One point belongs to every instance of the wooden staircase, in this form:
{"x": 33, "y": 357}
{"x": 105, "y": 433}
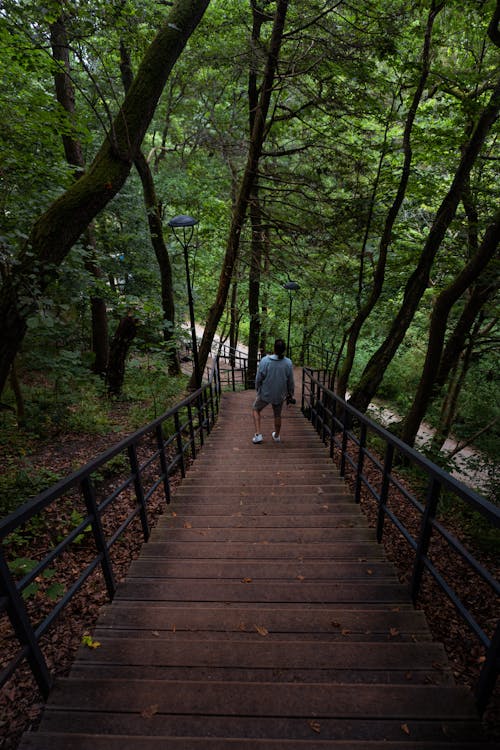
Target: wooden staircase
{"x": 262, "y": 614}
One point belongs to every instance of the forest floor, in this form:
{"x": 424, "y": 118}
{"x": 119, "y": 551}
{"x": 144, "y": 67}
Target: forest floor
{"x": 21, "y": 703}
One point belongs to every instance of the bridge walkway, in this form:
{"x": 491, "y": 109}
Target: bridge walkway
{"x": 261, "y": 614}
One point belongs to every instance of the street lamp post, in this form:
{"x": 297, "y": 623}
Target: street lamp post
{"x": 187, "y": 224}
{"x": 290, "y": 286}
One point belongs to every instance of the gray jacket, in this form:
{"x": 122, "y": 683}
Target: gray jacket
{"x": 274, "y": 379}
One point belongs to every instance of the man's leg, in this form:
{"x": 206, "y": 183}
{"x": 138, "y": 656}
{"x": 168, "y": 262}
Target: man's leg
{"x": 277, "y": 424}
{"x": 277, "y": 420}
{"x": 256, "y": 410}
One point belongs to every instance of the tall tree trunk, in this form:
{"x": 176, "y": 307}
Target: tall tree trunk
{"x": 258, "y": 19}
{"x": 56, "y": 231}
{"x": 457, "y": 340}
{"x": 74, "y": 155}
{"x": 374, "y": 371}
{"x": 233, "y": 321}
{"x": 437, "y": 329}
{"x": 120, "y": 344}
{"x": 385, "y": 241}
{"x": 239, "y": 212}
{"x": 153, "y": 212}
{"x": 254, "y": 286}
{"x": 449, "y": 405}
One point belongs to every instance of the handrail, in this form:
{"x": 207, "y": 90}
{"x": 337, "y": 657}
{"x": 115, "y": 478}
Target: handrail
{"x": 153, "y": 453}
{"x": 348, "y": 432}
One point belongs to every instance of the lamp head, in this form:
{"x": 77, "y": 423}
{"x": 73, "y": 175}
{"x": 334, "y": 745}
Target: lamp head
{"x": 182, "y": 221}
{"x": 291, "y": 286}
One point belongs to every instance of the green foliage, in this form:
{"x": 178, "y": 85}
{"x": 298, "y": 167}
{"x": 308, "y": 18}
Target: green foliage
{"x": 23, "y": 565}
{"x": 20, "y": 482}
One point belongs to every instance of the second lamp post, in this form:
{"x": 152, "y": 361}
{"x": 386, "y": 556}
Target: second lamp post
{"x": 290, "y": 286}
{"x": 187, "y": 225}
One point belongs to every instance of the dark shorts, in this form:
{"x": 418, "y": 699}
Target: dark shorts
{"x": 259, "y": 404}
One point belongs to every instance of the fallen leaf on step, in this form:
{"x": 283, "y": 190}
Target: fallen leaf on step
{"x": 247, "y": 580}
{"x": 261, "y": 630}
{"x": 393, "y": 632}
{"x": 405, "y": 728}
{"x": 155, "y": 633}
{"x": 242, "y": 626}
{"x": 300, "y": 578}
{"x": 335, "y": 624}
{"x": 150, "y": 711}
{"x": 345, "y": 631}
{"x": 188, "y": 525}
{"x": 315, "y": 725}
{"x": 369, "y": 571}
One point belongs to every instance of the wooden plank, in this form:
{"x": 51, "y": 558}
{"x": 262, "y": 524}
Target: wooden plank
{"x": 341, "y": 550}
{"x": 338, "y": 623}
{"x": 143, "y": 589}
{"x": 268, "y": 654}
{"x": 107, "y": 742}
{"x": 271, "y": 728}
{"x": 400, "y": 702}
{"x": 268, "y": 534}
{"x": 147, "y": 567}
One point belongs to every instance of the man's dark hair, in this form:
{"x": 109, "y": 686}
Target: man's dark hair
{"x": 280, "y": 348}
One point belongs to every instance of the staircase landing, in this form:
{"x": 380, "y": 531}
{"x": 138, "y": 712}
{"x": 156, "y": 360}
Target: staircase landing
{"x": 262, "y": 614}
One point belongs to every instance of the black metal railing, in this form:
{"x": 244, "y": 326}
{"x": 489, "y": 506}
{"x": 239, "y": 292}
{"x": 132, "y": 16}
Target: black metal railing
{"x": 356, "y": 443}
{"x": 233, "y": 366}
{"x": 83, "y": 517}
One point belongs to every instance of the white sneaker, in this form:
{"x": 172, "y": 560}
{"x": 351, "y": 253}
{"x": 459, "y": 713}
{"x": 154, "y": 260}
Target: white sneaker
{"x": 257, "y": 438}
{"x": 276, "y": 438}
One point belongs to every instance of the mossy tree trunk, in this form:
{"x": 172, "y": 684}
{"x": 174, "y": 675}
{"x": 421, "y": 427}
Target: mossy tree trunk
{"x": 153, "y": 211}
{"x": 74, "y": 155}
{"x": 56, "y": 231}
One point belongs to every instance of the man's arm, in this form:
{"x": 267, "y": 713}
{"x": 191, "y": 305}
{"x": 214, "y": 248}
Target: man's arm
{"x": 261, "y": 374}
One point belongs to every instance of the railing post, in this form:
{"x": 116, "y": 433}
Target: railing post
{"x": 199, "y": 406}
{"x": 212, "y": 410}
{"x": 98, "y": 532}
{"x": 163, "y": 462}
{"x": 345, "y": 425}
{"x": 192, "y": 436}
{"x": 18, "y": 616}
{"x": 333, "y": 417}
{"x": 489, "y": 672}
{"x": 429, "y": 514}
{"x": 359, "y": 469}
{"x": 139, "y": 492}
{"x": 384, "y": 490}
{"x": 178, "y": 439}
